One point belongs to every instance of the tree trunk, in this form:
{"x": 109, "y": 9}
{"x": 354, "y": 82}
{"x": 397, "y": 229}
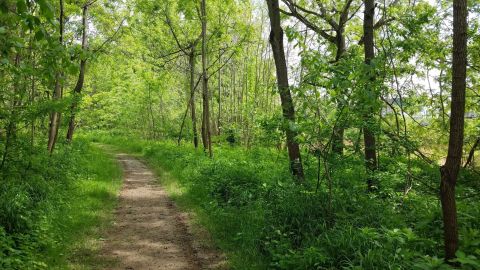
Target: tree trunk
{"x": 276, "y": 41}
{"x": 449, "y": 171}
{"x": 57, "y": 94}
{"x": 471, "y": 153}
{"x": 153, "y": 134}
{"x": 368, "y": 134}
{"x": 339, "y": 129}
{"x": 191, "y": 63}
{"x": 32, "y": 94}
{"x": 12, "y": 122}
{"x": 32, "y": 100}
{"x": 219, "y": 114}
{"x": 338, "y": 135}
{"x": 81, "y": 77}
{"x": 206, "y": 132}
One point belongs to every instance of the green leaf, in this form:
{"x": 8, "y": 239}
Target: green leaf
{"x": 46, "y": 9}
{"x": 39, "y": 35}
{"x": 21, "y": 6}
{"x": 18, "y": 44}
{"x": 3, "y": 7}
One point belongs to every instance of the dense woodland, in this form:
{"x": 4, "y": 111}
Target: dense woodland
{"x": 306, "y": 134}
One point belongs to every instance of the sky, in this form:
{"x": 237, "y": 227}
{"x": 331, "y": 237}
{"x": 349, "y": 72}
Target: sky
{"x": 293, "y": 58}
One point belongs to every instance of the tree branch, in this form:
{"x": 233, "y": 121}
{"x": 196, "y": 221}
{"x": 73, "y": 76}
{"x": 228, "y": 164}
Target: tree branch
{"x": 293, "y": 12}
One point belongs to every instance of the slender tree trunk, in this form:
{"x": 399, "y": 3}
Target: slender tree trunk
{"x": 368, "y": 134}
{"x": 189, "y": 105}
{"x": 449, "y": 171}
{"x": 206, "y": 130}
{"x": 440, "y": 94}
{"x": 231, "y": 95}
{"x": 12, "y": 122}
{"x": 191, "y": 63}
{"x": 339, "y": 129}
{"x": 32, "y": 93}
{"x": 472, "y": 153}
{"x": 163, "y": 121}
{"x": 152, "y": 116}
{"x": 219, "y": 113}
{"x": 32, "y": 100}
{"x": 234, "y": 96}
{"x": 213, "y": 126}
{"x": 8, "y": 141}
{"x": 81, "y": 77}
{"x": 57, "y": 94}
{"x": 240, "y": 84}
{"x": 276, "y": 41}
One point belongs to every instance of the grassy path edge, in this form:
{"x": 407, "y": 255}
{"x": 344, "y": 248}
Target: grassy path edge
{"x": 203, "y": 243}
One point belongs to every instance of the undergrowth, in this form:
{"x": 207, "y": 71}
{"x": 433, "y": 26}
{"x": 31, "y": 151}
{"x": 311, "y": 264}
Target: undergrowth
{"x": 248, "y": 202}
{"x": 52, "y": 208}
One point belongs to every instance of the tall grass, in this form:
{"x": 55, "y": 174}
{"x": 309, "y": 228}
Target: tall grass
{"x": 53, "y": 209}
{"x": 248, "y": 202}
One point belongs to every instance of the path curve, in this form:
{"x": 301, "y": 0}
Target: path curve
{"x": 148, "y": 232}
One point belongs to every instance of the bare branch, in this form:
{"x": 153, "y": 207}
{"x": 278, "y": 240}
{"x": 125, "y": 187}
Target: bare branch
{"x": 170, "y": 26}
{"x": 344, "y": 14}
{"x": 293, "y": 12}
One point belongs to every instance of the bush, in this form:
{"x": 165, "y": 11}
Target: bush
{"x": 44, "y": 197}
{"x": 248, "y": 201}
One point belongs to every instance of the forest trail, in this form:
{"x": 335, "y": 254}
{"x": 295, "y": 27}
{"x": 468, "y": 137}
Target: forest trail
{"x": 148, "y": 231}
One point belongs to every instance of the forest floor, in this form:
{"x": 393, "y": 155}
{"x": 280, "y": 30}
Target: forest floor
{"x": 149, "y": 231}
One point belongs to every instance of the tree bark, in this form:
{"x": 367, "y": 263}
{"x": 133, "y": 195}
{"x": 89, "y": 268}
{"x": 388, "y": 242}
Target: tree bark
{"x": 81, "y": 77}
{"x": 276, "y": 41}
{"x": 191, "y": 63}
{"x": 339, "y": 130}
{"x": 206, "y": 129}
{"x": 57, "y": 94}
{"x": 449, "y": 171}
{"x": 368, "y": 134}
{"x": 471, "y": 153}
{"x": 219, "y": 113}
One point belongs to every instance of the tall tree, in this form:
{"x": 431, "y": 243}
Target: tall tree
{"x": 288, "y": 109}
{"x": 368, "y": 134}
{"x": 57, "y": 93}
{"x": 206, "y": 129}
{"x": 191, "y": 65}
{"x": 188, "y": 49}
{"x": 337, "y": 20}
{"x": 449, "y": 171}
{"x": 81, "y": 75}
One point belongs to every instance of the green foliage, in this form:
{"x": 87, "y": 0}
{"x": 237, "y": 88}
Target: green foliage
{"x": 262, "y": 220}
{"x": 50, "y": 205}
{"x": 137, "y": 85}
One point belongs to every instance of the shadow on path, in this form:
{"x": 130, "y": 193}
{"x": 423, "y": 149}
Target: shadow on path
{"x": 148, "y": 232}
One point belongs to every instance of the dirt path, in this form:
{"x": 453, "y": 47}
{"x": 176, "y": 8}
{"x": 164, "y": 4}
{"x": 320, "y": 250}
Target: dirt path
{"x": 148, "y": 232}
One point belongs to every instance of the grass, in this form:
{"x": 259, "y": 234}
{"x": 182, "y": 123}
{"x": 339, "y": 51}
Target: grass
{"x": 178, "y": 187}
{"x": 87, "y": 213}
{"x": 179, "y": 193}
{"x": 56, "y": 208}
{"x": 261, "y": 220}
{"x": 235, "y": 230}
